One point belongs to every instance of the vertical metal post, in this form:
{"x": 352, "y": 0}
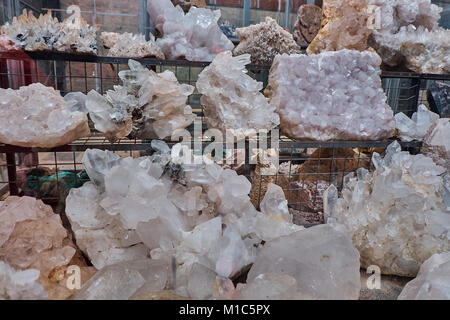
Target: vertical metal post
{"x": 286, "y": 14}
{"x": 143, "y": 18}
{"x": 246, "y": 13}
{"x": 12, "y": 174}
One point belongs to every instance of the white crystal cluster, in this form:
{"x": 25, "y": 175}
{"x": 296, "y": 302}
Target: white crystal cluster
{"x": 147, "y": 105}
{"x": 409, "y": 33}
{"x": 131, "y": 45}
{"x": 20, "y": 285}
{"x": 330, "y": 96}
{"x": 37, "y": 116}
{"x": 436, "y": 143}
{"x": 199, "y": 215}
{"x": 432, "y": 281}
{"x": 195, "y": 36}
{"x": 47, "y": 33}
{"x": 396, "y": 215}
{"x": 232, "y": 100}
{"x": 416, "y": 127}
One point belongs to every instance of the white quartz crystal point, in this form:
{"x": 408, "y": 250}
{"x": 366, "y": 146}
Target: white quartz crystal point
{"x": 330, "y": 96}
{"x": 131, "y": 45}
{"x": 20, "y": 285}
{"x": 76, "y": 101}
{"x": 121, "y": 281}
{"x": 194, "y": 36}
{"x": 147, "y": 105}
{"x": 432, "y": 281}
{"x": 240, "y": 108}
{"x": 416, "y": 127}
{"x": 323, "y": 261}
{"x": 275, "y": 203}
{"x": 436, "y": 143}
{"x": 37, "y": 116}
{"x": 97, "y": 164}
{"x": 396, "y": 215}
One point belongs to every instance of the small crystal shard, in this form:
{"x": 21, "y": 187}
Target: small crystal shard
{"x": 264, "y": 41}
{"x": 194, "y": 36}
{"x": 148, "y": 105}
{"x": 240, "y": 108}
{"x": 396, "y": 215}
{"x": 432, "y": 281}
{"x": 323, "y": 261}
{"x": 131, "y": 45}
{"x": 37, "y": 116}
{"x": 340, "y": 93}
{"x": 416, "y": 127}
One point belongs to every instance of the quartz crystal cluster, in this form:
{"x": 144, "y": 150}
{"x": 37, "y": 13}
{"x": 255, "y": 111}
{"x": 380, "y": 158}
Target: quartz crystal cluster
{"x": 20, "y": 285}
{"x": 344, "y": 26}
{"x": 409, "y": 33}
{"x": 330, "y": 96}
{"x": 232, "y": 100}
{"x": 37, "y": 116}
{"x": 264, "y": 41}
{"x": 47, "y": 33}
{"x": 416, "y": 127}
{"x": 436, "y": 143}
{"x": 131, "y": 45}
{"x": 147, "y": 105}
{"x": 198, "y": 217}
{"x": 432, "y": 281}
{"x": 396, "y": 215}
{"x": 195, "y": 36}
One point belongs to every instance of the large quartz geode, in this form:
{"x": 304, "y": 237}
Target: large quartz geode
{"x": 47, "y": 33}
{"x": 37, "y": 116}
{"x": 194, "y": 36}
{"x": 330, "y": 96}
{"x": 232, "y": 100}
{"x": 396, "y": 215}
{"x": 264, "y": 41}
{"x": 131, "y": 45}
{"x": 147, "y": 105}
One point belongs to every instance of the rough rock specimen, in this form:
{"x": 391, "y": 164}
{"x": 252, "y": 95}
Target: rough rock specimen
{"x": 416, "y": 127}
{"x": 330, "y": 96}
{"x": 264, "y": 41}
{"x": 37, "y": 116}
{"x": 197, "y": 214}
{"x": 396, "y": 215}
{"x": 20, "y": 285}
{"x": 121, "y": 281}
{"x": 6, "y": 44}
{"x": 438, "y": 97}
{"x": 307, "y": 25}
{"x": 194, "y": 36}
{"x": 344, "y": 26}
{"x": 147, "y": 105}
{"x": 322, "y": 260}
{"x": 131, "y": 45}
{"x": 409, "y": 34}
{"x": 232, "y": 100}
{"x": 432, "y": 281}
{"x": 436, "y": 143}
{"x": 47, "y": 33}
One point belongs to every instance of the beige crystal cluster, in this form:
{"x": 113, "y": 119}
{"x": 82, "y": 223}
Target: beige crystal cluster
{"x": 334, "y": 95}
{"x": 432, "y": 281}
{"x": 147, "y": 105}
{"x": 397, "y": 215}
{"x": 232, "y": 100}
{"x": 131, "y": 45}
{"x": 37, "y": 116}
{"x": 47, "y": 33}
{"x": 344, "y": 26}
{"x": 264, "y": 41}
